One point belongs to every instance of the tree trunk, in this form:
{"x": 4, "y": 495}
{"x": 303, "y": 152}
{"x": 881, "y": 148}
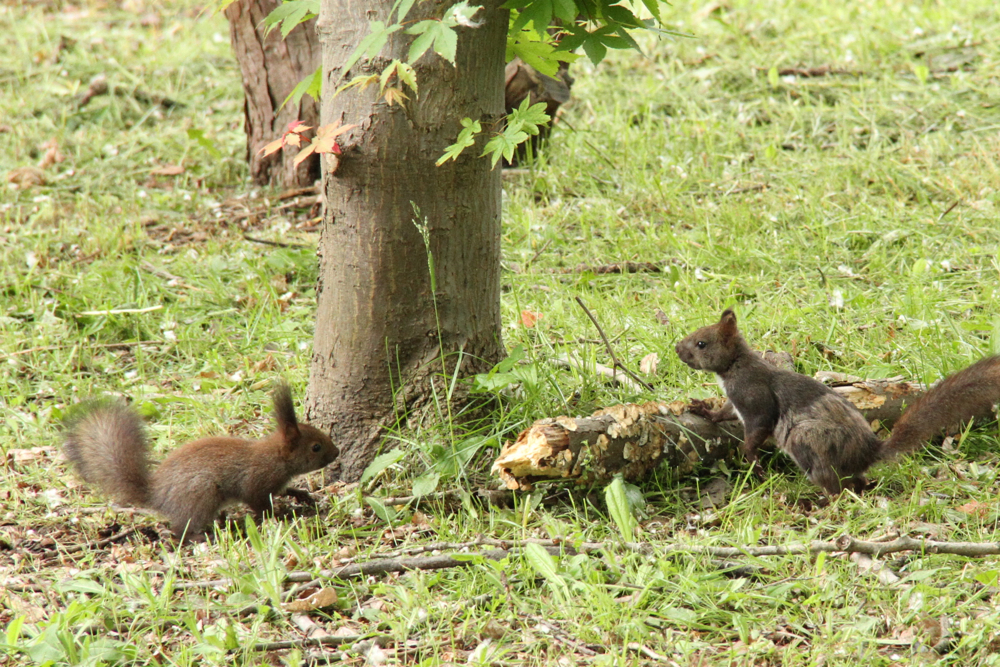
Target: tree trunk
{"x": 380, "y": 330}
{"x": 271, "y": 67}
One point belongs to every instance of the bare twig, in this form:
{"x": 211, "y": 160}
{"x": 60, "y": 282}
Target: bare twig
{"x": 597, "y": 151}
{"x": 567, "y": 361}
{"x": 298, "y": 192}
{"x": 99, "y": 86}
{"x": 24, "y": 588}
{"x": 558, "y": 546}
{"x": 446, "y": 546}
{"x": 361, "y": 648}
{"x": 746, "y": 188}
{"x": 150, "y": 98}
{"x": 545, "y": 246}
{"x": 47, "y": 288}
{"x": 843, "y": 544}
{"x": 295, "y": 204}
{"x": 611, "y": 350}
{"x": 119, "y": 311}
{"x": 948, "y": 210}
{"x": 166, "y": 275}
{"x": 494, "y": 497}
{"x": 279, "y": 244}
{"x": 89, "y": 545}
{"x": 210, "y": 583}
{"x": 384, "y": 566}
{"x": 811, "y": 72}
{"x": 387, "y": 565}
{"x": 50, "y": 348}
{"x": 617, "y": 268}
{"x": 327, "y": 640}
{"x": 636, "y": 647}
{"x": 561, "y": 635}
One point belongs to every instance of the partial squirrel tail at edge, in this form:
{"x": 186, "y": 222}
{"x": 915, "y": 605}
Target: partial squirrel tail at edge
{"x": 959, "y": 397}
{"x": 106, "y": 442}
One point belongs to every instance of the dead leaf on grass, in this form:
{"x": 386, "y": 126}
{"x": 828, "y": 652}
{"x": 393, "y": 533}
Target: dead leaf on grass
{"x": 482, "y": 654}
{"x": 345, "y": 552}
{"x": 151, "y": 20}
{"x": 26, "y": 177}
{"x": 31, "y": 454}
{"x": 168, "y": 170}
{"x": 975, "y": 508}
{"x": 265, "y": 365}
{"x": 376, "y": 656}
{"x": 52, "y": 154}
{"x": 529, "y": 318}
{"x": 20, "y": 607}
{"x": 866, "y": 563}
{"x": 649, "y": 363}
{"x": 321, "y": 599}
{"x": 153, "y": 184}
{"x": 493, "y": 630}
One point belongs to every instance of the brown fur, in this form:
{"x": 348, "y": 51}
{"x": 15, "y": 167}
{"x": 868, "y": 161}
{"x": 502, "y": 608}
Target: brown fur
{"x": 826, "y": 436}
{"x": 107, "y": 444}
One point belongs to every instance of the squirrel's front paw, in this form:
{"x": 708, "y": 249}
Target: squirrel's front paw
{"x": 301, "y": 496}
{"x": 702, "y": 409}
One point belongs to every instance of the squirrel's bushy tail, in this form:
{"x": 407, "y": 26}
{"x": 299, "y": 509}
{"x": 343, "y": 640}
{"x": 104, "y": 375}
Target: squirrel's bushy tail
{"x": 968, "y": 393}
{"x": 106, "y": 442}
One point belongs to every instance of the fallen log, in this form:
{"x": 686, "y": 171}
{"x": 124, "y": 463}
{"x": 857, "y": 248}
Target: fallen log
{"x": 633, "y": 439}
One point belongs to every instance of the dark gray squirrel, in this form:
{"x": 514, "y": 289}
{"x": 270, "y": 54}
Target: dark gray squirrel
{"x": 107, "y": 443}
{"x": 826, "y": 436}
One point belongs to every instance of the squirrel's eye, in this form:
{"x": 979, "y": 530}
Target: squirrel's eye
{"x": 700, "y": 345}
{"x": 317, "y": 447}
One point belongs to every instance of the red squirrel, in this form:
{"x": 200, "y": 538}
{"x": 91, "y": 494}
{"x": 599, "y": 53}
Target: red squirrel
{"x": 107, "y": 444}
{"x": 826, "y": 436}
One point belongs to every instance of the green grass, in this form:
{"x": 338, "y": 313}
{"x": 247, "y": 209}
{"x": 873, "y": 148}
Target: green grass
{"x": 815, "y": 206}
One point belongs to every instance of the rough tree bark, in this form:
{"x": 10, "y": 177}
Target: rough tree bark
{"x": 271, "y": 67}
{"x": 378, "y": 327}
{"x": 633, "y": 440}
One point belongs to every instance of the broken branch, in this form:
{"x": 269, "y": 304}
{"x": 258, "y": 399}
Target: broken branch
{"x": 611, "y": 351}
{"x": 567, "y": 361}
{"x": 633, "y": 439}
{"x": 617, "y": 268}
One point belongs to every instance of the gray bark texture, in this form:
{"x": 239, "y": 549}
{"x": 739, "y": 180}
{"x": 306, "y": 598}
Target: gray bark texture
{"x": 378, "y": 329}
{"x": 271, "y": 67}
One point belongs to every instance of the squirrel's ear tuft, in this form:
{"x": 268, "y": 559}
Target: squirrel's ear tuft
{"x": 284, "y": 412}
{"x": 727, "y": 323}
